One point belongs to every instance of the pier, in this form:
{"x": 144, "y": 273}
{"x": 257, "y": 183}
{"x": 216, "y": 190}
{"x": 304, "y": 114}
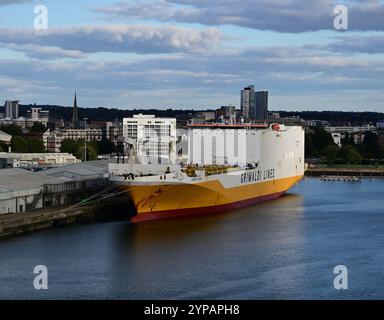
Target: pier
{"x": 345, "y": 171}
{"x": 13, "y": 224}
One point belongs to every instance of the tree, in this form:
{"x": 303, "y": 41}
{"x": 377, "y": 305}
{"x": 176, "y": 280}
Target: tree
{"x": 321, "y": 138}
{"x": 350, "y": 155}
{"x": 370, "y": 146}
{"x": 3, "y": 146}
{"x": 105, "y": 147}
{"x": 91, "y": 152}
{"x": 38, "y": 127}
{"x": 331, "y": 152}
{"x": 69, "y": 146}
{"x": 12, "y": 130}
{"x": 19, "y": 144}
{"x": 348, "y": 139}
{"x": 35, "y": 146}
{"x": 309, "y": 148}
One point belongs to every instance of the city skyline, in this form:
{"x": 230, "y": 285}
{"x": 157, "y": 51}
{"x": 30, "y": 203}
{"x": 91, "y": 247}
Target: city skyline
{"x": 188, "y": 54}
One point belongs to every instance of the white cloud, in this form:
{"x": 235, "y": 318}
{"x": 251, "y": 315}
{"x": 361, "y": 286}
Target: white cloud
{"x": 8, "y": 2}
{"x": 113, "y": 38}
{"x": 281, "y": 15}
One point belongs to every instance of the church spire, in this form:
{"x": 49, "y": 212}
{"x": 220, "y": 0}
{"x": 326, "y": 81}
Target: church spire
{"x": 75, "y": 114}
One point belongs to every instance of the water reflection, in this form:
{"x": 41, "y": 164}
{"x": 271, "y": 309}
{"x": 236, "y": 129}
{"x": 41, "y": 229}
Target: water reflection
{"x": 198, "y": 254}
{"x": 286, "y": 248}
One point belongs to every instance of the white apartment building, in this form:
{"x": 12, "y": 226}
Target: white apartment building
{"x": 153, "y": 139}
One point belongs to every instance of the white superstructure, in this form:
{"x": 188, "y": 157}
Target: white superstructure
{"x": 153, "y": 139}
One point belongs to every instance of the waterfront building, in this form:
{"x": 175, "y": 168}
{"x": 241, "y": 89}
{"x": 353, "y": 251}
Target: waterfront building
{"x": 261, "y": 105}
{"x": 52, "y": 139}
{"x": 152, "y": 139}
{"x": 247, "y": 102}
{"x": 22, "y": 190}
{"x": 38, "y": 115}
{"x": 16, "y": 160}
{"x": 11, "y": 109}
{"x": 98, "y": 131}
{"x": 350, "y": 129}
{"x": 358, "y": 137}
{"x": 226, "y": 114}
{"x": 380, "y": 124}
{"x": 35, "y": 115}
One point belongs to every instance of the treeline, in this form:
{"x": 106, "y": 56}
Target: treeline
{"x": 22, "y": 142}
{"x": 319, "y": 145}
{"x": 105, "y": 114}
{"x": 94, "y": 148}
{"x": 356, "y": 118}
{"x": 110, "y": 114}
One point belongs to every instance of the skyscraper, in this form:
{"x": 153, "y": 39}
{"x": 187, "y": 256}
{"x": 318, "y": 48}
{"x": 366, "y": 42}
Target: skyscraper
{"x": 75, "y": 114}
{"x": 11, "y": 109}
{"x": 247, "y": 103}
{"x": 261, "y": 105}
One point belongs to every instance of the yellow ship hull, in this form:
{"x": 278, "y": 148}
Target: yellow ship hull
{"x": 164, "y": 201}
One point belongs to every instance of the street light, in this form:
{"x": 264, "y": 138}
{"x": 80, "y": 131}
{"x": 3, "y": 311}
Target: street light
{"x": 85, "y": 140}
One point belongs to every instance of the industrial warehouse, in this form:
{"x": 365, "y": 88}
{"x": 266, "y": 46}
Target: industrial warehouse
{"x": 23, "y": 191}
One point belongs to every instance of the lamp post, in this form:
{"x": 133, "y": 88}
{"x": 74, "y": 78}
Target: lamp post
{"x": 85, "y": 140}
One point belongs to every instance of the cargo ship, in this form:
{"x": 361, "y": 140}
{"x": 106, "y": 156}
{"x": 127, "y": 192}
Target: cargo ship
{"x": 228, "y": 167}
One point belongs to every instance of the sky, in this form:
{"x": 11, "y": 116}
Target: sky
{"x": 193, "y": 53}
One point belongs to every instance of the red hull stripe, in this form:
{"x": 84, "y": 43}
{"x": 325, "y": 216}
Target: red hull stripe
{"x": 177, "y": 213}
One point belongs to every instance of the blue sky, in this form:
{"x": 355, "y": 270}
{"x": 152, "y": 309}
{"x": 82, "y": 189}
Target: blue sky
{"x": 193, "y": 54}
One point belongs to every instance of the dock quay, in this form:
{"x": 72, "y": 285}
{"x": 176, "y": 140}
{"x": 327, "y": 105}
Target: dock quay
{"x": 16, "y": 224}
{"x": 32, "y": 201}
{"x": 341, "y": 178}
{"x": 345, "y": 171}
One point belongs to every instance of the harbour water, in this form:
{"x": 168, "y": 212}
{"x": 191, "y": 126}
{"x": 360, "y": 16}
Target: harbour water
{"x": 283, "y": 249}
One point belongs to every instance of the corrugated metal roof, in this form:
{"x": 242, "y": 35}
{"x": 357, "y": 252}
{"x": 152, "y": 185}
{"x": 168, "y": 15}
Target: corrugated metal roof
{"x": 84, "y": 170}
{"x": 15, "y": 179}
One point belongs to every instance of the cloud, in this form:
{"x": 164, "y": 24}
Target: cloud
{"x": 8, "y": 2}
{"x": 282, "y": 15}
{"x": 141, "y": 39}
{"x": 43, "y": 52}
{"x": 367, "y": 44}
{"x": 203, "y": 81}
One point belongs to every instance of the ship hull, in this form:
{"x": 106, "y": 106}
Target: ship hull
{"x": 190, "y": 212}
{"x": 164, "y": 201}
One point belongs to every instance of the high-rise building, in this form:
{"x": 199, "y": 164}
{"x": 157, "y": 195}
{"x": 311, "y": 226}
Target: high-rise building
{"x": 11, "y": 109}
{"x": 247, "y": 103}
{"x": 153, "y": 139}
{"x": 75, "y": 114}
{"x": 261, "y": 105}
